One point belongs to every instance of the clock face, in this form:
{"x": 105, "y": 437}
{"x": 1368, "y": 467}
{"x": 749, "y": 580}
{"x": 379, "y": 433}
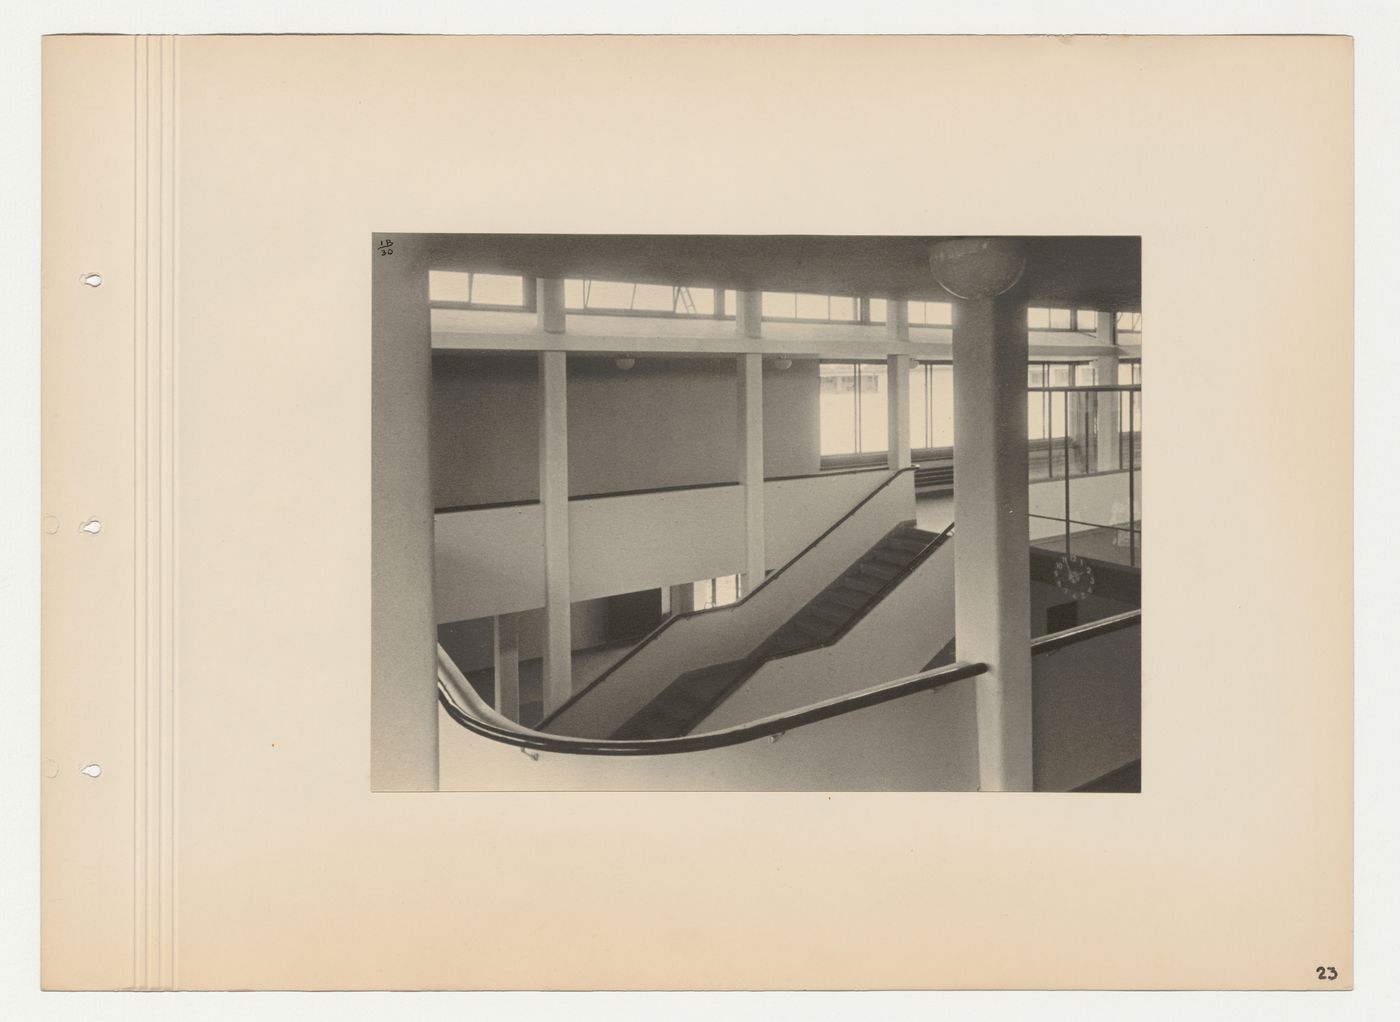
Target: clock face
{"x": 1074, "y": 576}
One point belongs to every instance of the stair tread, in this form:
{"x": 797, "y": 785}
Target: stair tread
{"x": 850, "y": 599}
{"x": 687, "y": 699}
{"x": 863, "y": 584}
{"x": 681, "y": 704}
{"x": 815, "y": 629}
{"x": 889, "y": 556}
{"x": 884, "y": 572}
{"x": 837, "y": 615}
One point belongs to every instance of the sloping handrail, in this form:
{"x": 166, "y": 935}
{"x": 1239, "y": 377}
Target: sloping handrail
{"x": 469, "y": 710}
{"x": 656, "y": 632}
{"x": 1081, "y": 633}
{"x": 889, "y": 586}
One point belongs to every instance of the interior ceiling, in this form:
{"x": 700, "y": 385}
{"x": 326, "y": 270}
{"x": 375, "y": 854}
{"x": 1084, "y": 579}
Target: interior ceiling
{"x": 1102, "y": 273}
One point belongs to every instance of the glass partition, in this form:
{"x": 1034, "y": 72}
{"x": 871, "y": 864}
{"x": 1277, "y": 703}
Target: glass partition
{"x": 1086, "y": 483}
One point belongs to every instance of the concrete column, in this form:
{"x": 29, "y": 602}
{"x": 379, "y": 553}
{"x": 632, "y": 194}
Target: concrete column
{"x": 549, "y": 305}
{"x": 992, "y": 550}
{"x": 748, "y": 313}
{"x": 505, "y": 651}
{"x": 1106, "y": 413}
{"x": 750, "y": 467}
{"x": 900, "y": 429}
{"x": 554, "y": 503}
{"x": 403, "y": 699}
{"x": 897, "y": 321}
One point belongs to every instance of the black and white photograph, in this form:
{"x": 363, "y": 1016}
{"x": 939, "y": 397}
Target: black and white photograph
{"x": 758, "y": 512}
{"x": 596, "y": 510}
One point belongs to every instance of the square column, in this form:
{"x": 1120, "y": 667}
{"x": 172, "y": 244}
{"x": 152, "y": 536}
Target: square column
{"x": 1106, "y": 415}
{"x": 897, "y": 377}
{"x": 992, "y": 550}
{"x": 505, "y": 653}
{"x": 549, "y": 305}
{"x": 554, "y": 505}
{"x": 897, "y": 321}
{"x": 750, "y": 467}
{"x": 748, "y": 313}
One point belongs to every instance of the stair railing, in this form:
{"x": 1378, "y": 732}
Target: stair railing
{"x": 728, "y": 609}
{"x": 888, "y": 587}
{"x": 462, "y": 704}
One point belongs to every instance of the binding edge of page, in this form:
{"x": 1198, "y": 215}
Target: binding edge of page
{"x": 108, "y": 500}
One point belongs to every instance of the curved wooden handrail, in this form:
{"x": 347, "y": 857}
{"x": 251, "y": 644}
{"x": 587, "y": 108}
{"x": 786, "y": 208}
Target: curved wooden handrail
{"x": 469, "y": 710}
{"x": 656, "y": 632}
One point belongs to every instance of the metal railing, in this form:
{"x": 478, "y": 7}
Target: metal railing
{"x": 462, "y": 703}
{"x": 1083, "y": 633}
{"x": 1079, "y": 449}
{"x": 468, "y": 709}
{"x": 924, "y": 553}
{"x": 723, "y": 609}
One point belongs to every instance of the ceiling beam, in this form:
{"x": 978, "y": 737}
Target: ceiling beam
{"x": 1089, "y": 272}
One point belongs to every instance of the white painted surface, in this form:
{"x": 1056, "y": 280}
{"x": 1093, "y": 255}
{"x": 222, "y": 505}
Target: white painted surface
{"x": 990, "y": 502}
{"x": 1097, "y": 500}
{"x": 898, "y": 427}
{"x": 800, "y": 510}
{"x": 505, "y": 642}
{"x": 727, "y": 633}
{"x": 489, "y": 562}
{"x": 469, "y": 329}
{"x": 749, "y": 463}
{"x": 554, "y": 505}
{"x": 897, "y": 638}
{"x": 647, "y": 540}
{"x": 1106, "y": 403}
{"x": 923, "y": 742}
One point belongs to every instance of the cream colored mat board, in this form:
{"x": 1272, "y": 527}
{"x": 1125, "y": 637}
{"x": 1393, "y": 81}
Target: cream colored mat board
{"x": 209, "y": 405}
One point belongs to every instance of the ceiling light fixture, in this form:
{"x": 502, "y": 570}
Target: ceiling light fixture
{"x": 976, "y": 268}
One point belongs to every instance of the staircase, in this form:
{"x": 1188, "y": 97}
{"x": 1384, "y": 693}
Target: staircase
{"x": 692, "y": 696}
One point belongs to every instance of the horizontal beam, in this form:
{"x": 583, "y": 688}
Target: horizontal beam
{"x": 617, "y": 335}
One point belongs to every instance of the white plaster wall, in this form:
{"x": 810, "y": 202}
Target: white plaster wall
{"x": 923, "y": 742}
{"x": 727, "y": 633}
{"x": 897, "y": 638}
{"x": 646, "y": 540}
{"x": 798, "y": 510}
{"x": 489, "y": 561}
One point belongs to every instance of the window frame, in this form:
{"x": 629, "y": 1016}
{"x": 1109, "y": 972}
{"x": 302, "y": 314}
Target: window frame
{"x": 527, "y": 294}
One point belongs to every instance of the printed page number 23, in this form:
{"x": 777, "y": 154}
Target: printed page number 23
{"x": 1326, "y": 972}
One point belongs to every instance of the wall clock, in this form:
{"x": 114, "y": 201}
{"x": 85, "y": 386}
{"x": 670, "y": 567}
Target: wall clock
{"x": 1074, "y": 576}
